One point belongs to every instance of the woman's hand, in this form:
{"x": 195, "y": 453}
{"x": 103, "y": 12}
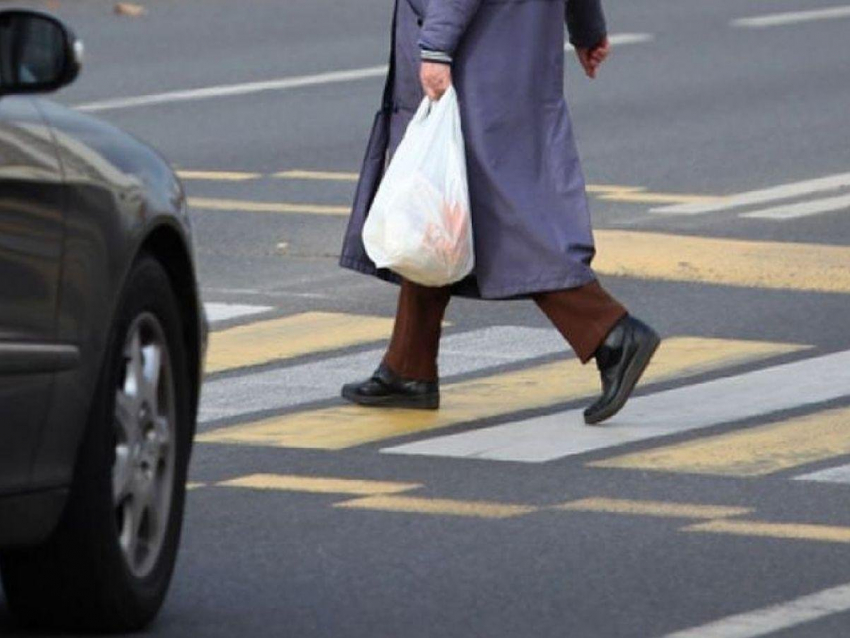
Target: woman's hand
{"x": 436, "y": 78}
{"x": 591, "y": 59}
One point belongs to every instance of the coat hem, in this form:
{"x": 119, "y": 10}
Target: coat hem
{"x": 516, "y": 291}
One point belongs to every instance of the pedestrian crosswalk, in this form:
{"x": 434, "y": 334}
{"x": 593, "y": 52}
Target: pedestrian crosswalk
{"x": 782, "y": 202}
{"x": 289, "y": 337}
{"x": 787, "y": 201}
{"x": 509, "y": 394}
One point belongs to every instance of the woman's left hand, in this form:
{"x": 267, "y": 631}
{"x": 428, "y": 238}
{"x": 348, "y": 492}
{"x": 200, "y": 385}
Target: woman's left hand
{"x": 592, "y": 58}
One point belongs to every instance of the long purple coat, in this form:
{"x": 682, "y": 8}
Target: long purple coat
{"x": 530, "y": 216}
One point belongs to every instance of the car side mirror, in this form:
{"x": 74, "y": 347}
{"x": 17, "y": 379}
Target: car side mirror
{"x": 38, "y": 53}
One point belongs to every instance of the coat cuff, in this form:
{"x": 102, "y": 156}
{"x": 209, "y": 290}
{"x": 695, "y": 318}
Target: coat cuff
{"x": 585, "y": 22}
{"x": 436, "y": 56}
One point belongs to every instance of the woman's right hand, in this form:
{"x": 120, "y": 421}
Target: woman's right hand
{"x": 436, "y": 78}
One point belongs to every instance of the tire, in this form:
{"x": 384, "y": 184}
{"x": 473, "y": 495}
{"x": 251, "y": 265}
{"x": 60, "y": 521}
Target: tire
{"x": 99, "y": 571}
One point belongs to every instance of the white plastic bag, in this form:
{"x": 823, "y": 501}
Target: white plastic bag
{"x": 419, "y": 224}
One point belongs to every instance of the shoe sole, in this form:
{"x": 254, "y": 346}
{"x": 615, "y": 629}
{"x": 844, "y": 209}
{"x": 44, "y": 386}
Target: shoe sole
{"x": 630, "y": 380}
{"x": 425, "y": 402}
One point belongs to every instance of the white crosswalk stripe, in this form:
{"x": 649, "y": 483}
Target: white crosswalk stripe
{"x": 291, "y": 386}
{"x": 725, "y": 400}
{"x": 219, "y": 312}
{"x": 760, "y": 393}
{"x": 802, "y": 209}
{"x": 840, "y": 474}
{"x": 788, "y": 194}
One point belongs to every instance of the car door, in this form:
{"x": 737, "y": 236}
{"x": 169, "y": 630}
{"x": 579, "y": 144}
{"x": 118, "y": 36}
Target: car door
{"x": 31, "y": 235}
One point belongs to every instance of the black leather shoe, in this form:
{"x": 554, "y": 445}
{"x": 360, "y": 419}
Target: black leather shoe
{"x": 621, "y": 360}
{"x": 386, "y": 389}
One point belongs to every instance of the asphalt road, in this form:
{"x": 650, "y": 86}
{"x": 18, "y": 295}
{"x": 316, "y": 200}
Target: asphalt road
{"x": 689, "y": 512}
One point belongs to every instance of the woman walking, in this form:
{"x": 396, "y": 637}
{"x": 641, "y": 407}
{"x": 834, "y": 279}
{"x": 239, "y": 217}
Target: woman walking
{"x": 530, "y": 217}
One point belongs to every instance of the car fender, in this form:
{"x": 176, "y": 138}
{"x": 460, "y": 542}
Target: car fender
{"x": 122, "y": 198}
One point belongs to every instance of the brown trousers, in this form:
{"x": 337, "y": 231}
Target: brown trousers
{"x": 584, "y": 316}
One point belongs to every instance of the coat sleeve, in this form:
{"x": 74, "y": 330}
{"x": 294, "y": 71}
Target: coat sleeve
{"x": 445, "y": 24}
{"x": 585, "y": 22}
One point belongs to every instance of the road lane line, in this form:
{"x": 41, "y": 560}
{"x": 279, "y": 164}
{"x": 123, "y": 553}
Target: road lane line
{"x": 744, "y": 263}
{"x": 318, "y": 484}
{"x": 729, "y": 262}
{"x": 332, "y": 176}
{"x": 285, "y": 387}
{"x": 775, "y": 618}
{"x": 782, "y": 531}
{"x": 803, "y": 209}
{"x": 492, "y": 396}
{"x": 792, "y": 17}
{"x": 763, "y": 196}
{"x": 661, "y": 509}
{"x": 830, "y": 475}
{"x": 637, "y": 197}
{"x": 279, "y": 84}
{"x": 437, "y": 506}
{"x": 217, "y": 176}
{"x": 622, "y": 39}
{"x": 724, "y": 400}
{"x": 218, "y": 312}
{"x": 293, "y": 336}
{"x": 227, "y": 90}
{"x": 755, "y": 451}
{"x": 235, "y": 205}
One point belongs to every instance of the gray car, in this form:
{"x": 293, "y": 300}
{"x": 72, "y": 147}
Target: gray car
{"x": 102, "y": 336}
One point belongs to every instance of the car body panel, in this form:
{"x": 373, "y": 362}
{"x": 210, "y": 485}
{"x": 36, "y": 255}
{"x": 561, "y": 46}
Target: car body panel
{"x": 119, "y": 194}
{"x": 32, "y": 200}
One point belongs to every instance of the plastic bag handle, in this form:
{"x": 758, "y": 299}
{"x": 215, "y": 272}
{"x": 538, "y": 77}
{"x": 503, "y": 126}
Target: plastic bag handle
{"x": 427, "y": 106}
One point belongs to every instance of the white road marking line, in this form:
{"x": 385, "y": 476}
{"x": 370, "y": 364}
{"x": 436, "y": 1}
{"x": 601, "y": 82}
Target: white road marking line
{"x": 774, "y": 194}
{"x": 621, "y": 39}
{"x": 331, "y": 176}
{"x": 217, "y": 176}
{"x": 803, "y": 209}
{"x": 281, "y": 84}
{"x": 321, "y": 380}
{"x": 217, "y": 312}
{"x": 725, "y": 400}
{"x": 768, "y": 620}
{"x": 830, "y": 475}
{"x": 792, "y": 17}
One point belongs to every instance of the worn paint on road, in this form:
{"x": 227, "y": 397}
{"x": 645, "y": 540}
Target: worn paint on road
{"x": 293, "y": 336}
{"x": 468, "y": 401}
{"x": 755, "y": 451}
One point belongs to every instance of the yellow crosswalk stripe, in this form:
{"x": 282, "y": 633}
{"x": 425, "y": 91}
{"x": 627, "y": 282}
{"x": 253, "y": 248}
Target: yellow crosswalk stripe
{"x": 497, "y": 395}
{"x": 662, "y": 509}
{"x": 265, "y": 341}
{"x": 754, "y": 451}
{"x": 318, "y": 484}
{"x": 218, "y": 176}
{"x": 437, "y": 506}
{"x": 332, "y": 176}
{"x": 639, "y": 195}
{"x": 729, "y": 262}
{"x": 783, "y": 531}
{"x": 236, "y": 205}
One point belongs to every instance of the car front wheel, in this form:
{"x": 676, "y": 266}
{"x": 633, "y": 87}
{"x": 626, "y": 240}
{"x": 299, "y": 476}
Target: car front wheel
{"x": 108, "y": 565}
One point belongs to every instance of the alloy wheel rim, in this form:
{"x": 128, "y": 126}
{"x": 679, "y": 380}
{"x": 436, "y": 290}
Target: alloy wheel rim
{"x": 145, "y": 454}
